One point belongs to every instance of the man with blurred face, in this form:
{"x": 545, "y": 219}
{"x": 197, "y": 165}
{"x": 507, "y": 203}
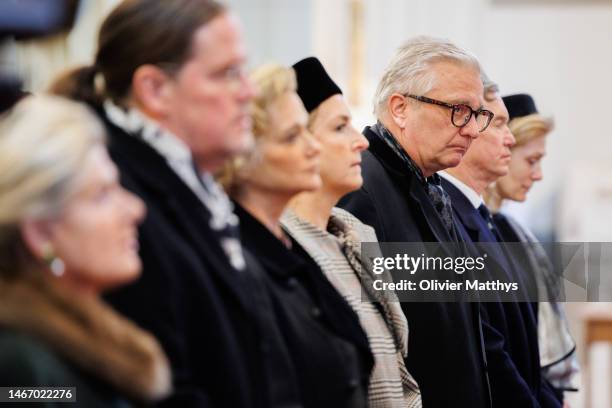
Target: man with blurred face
{"x": 429, "y": 110}
{"x": 510, "y": 328}
{"x": 168, "y": 81}
{"x": 213, "y": 86}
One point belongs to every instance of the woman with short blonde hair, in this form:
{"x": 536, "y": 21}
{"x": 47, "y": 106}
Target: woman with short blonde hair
{"x": 328, "y": 349}
{"x": 529, "y": 129}
{"x": 272, "y": 81}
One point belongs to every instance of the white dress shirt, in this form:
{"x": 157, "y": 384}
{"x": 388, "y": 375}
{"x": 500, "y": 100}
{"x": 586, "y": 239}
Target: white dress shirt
{"x": 475, "y": 198}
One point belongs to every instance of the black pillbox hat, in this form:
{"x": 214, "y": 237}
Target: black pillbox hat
{"x": 314, "y": 83}
{"x": 519, "y": 105}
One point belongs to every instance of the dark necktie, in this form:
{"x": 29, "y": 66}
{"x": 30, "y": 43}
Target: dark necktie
{"x": 486, "y": 215}
{"x": 516, "y": 272}
{"x": 442, "y": 203}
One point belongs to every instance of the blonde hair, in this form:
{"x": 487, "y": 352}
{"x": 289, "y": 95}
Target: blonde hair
{"x": 272, "y": 81}
{"x": 44, "y": 143}
{"x": 524, "y": 129}
{"x": 409, "y": 71}
{"x": 527, "y": 128}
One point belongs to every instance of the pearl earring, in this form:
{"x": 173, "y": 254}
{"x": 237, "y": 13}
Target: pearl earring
{"x": 55, "y": 264}
{"x": 57, "y": 267}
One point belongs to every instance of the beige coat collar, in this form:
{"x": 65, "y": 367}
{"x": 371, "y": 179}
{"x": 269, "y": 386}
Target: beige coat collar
{"x": 88, "y": 333}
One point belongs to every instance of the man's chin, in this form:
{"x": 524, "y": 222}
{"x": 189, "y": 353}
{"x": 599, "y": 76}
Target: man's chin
{"x": 453, "y": 160}
{"x": 501, "y": 172}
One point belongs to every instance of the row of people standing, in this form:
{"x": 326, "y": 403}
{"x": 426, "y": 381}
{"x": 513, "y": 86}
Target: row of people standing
{"x": 258, "y": 302}
{"x": 245, "y": 320}
{"x": 442, "y": 138}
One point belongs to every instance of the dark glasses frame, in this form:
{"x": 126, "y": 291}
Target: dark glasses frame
{"x": 456, "y": 108}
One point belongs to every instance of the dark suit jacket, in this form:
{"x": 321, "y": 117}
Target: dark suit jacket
{"x": 550, "y": 396}
{"x": 510, "y": 328}
{"x": 188, "y": 296}
{"x": 329, "y": 348}
{"x": 445, "y": 352}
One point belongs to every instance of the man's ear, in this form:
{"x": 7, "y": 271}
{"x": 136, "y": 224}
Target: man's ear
{"x": 398, "y": 108}
{"x": 150, "y": 90}
{"x": 37, "y": 236}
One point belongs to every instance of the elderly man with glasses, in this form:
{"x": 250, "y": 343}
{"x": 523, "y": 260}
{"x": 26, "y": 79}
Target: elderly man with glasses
{"x": 429, "y": 110}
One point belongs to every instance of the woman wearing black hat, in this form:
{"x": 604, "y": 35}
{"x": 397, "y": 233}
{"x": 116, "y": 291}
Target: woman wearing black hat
{"x": 328, "y": 348}
{"x": 332, "y": 236}
{"x": 530, "y": 129}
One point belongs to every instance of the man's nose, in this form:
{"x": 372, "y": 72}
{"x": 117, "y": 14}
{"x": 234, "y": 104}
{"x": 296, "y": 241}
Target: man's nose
{"x": 471, "y": 128}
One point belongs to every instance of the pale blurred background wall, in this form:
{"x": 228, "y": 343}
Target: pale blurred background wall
{"x": 560, "y": 51}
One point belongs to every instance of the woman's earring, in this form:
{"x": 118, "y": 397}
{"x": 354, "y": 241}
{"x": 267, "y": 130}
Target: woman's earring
{"x": 55, "y": 264}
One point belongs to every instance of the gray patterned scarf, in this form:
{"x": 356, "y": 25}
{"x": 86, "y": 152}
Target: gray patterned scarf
{"x": 439, "y": 198}
{"x": 351, "y": 248}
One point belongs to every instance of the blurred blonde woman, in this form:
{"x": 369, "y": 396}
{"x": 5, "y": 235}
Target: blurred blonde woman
{"x": 67, "y": 234}
{"x": 332, "y": 236}
{"x": 328, "y": 348}
{"x": 530, "y": 129}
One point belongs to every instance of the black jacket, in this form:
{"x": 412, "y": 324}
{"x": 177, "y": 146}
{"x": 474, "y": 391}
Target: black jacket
{"x": 510, "y": 328}
{"x": 27, "y": 362}
{"x": 189, "y": 296}
{"x": 327, "y": 344}
{"x": 549, "y": 395}
{"x": 445, "y": 352}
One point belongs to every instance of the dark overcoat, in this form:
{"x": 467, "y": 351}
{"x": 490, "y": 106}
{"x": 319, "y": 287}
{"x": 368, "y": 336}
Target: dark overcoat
{"x": 445, "y": 351}
{"x": 510, "y": 328}
{"x": 189, "y": 296}
{"x": 550, "y": 396}
{"x": 329, "y": 348}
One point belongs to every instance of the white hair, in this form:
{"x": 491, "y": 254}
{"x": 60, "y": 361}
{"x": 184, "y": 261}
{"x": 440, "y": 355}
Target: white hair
{"x": 409, "y": 70}
{"x": 491, "y": 89}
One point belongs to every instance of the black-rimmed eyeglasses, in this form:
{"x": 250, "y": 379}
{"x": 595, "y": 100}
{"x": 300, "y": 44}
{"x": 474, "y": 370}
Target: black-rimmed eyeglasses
{"x": 460, "y": 113}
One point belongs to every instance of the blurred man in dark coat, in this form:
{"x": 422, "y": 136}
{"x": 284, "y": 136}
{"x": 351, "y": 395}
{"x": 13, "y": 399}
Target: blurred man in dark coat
{"x": 176, "y": 108}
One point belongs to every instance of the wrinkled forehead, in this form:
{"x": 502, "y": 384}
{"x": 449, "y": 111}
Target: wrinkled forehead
{"x": 497, "y": 106}
{"x": 457, "y": 82}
